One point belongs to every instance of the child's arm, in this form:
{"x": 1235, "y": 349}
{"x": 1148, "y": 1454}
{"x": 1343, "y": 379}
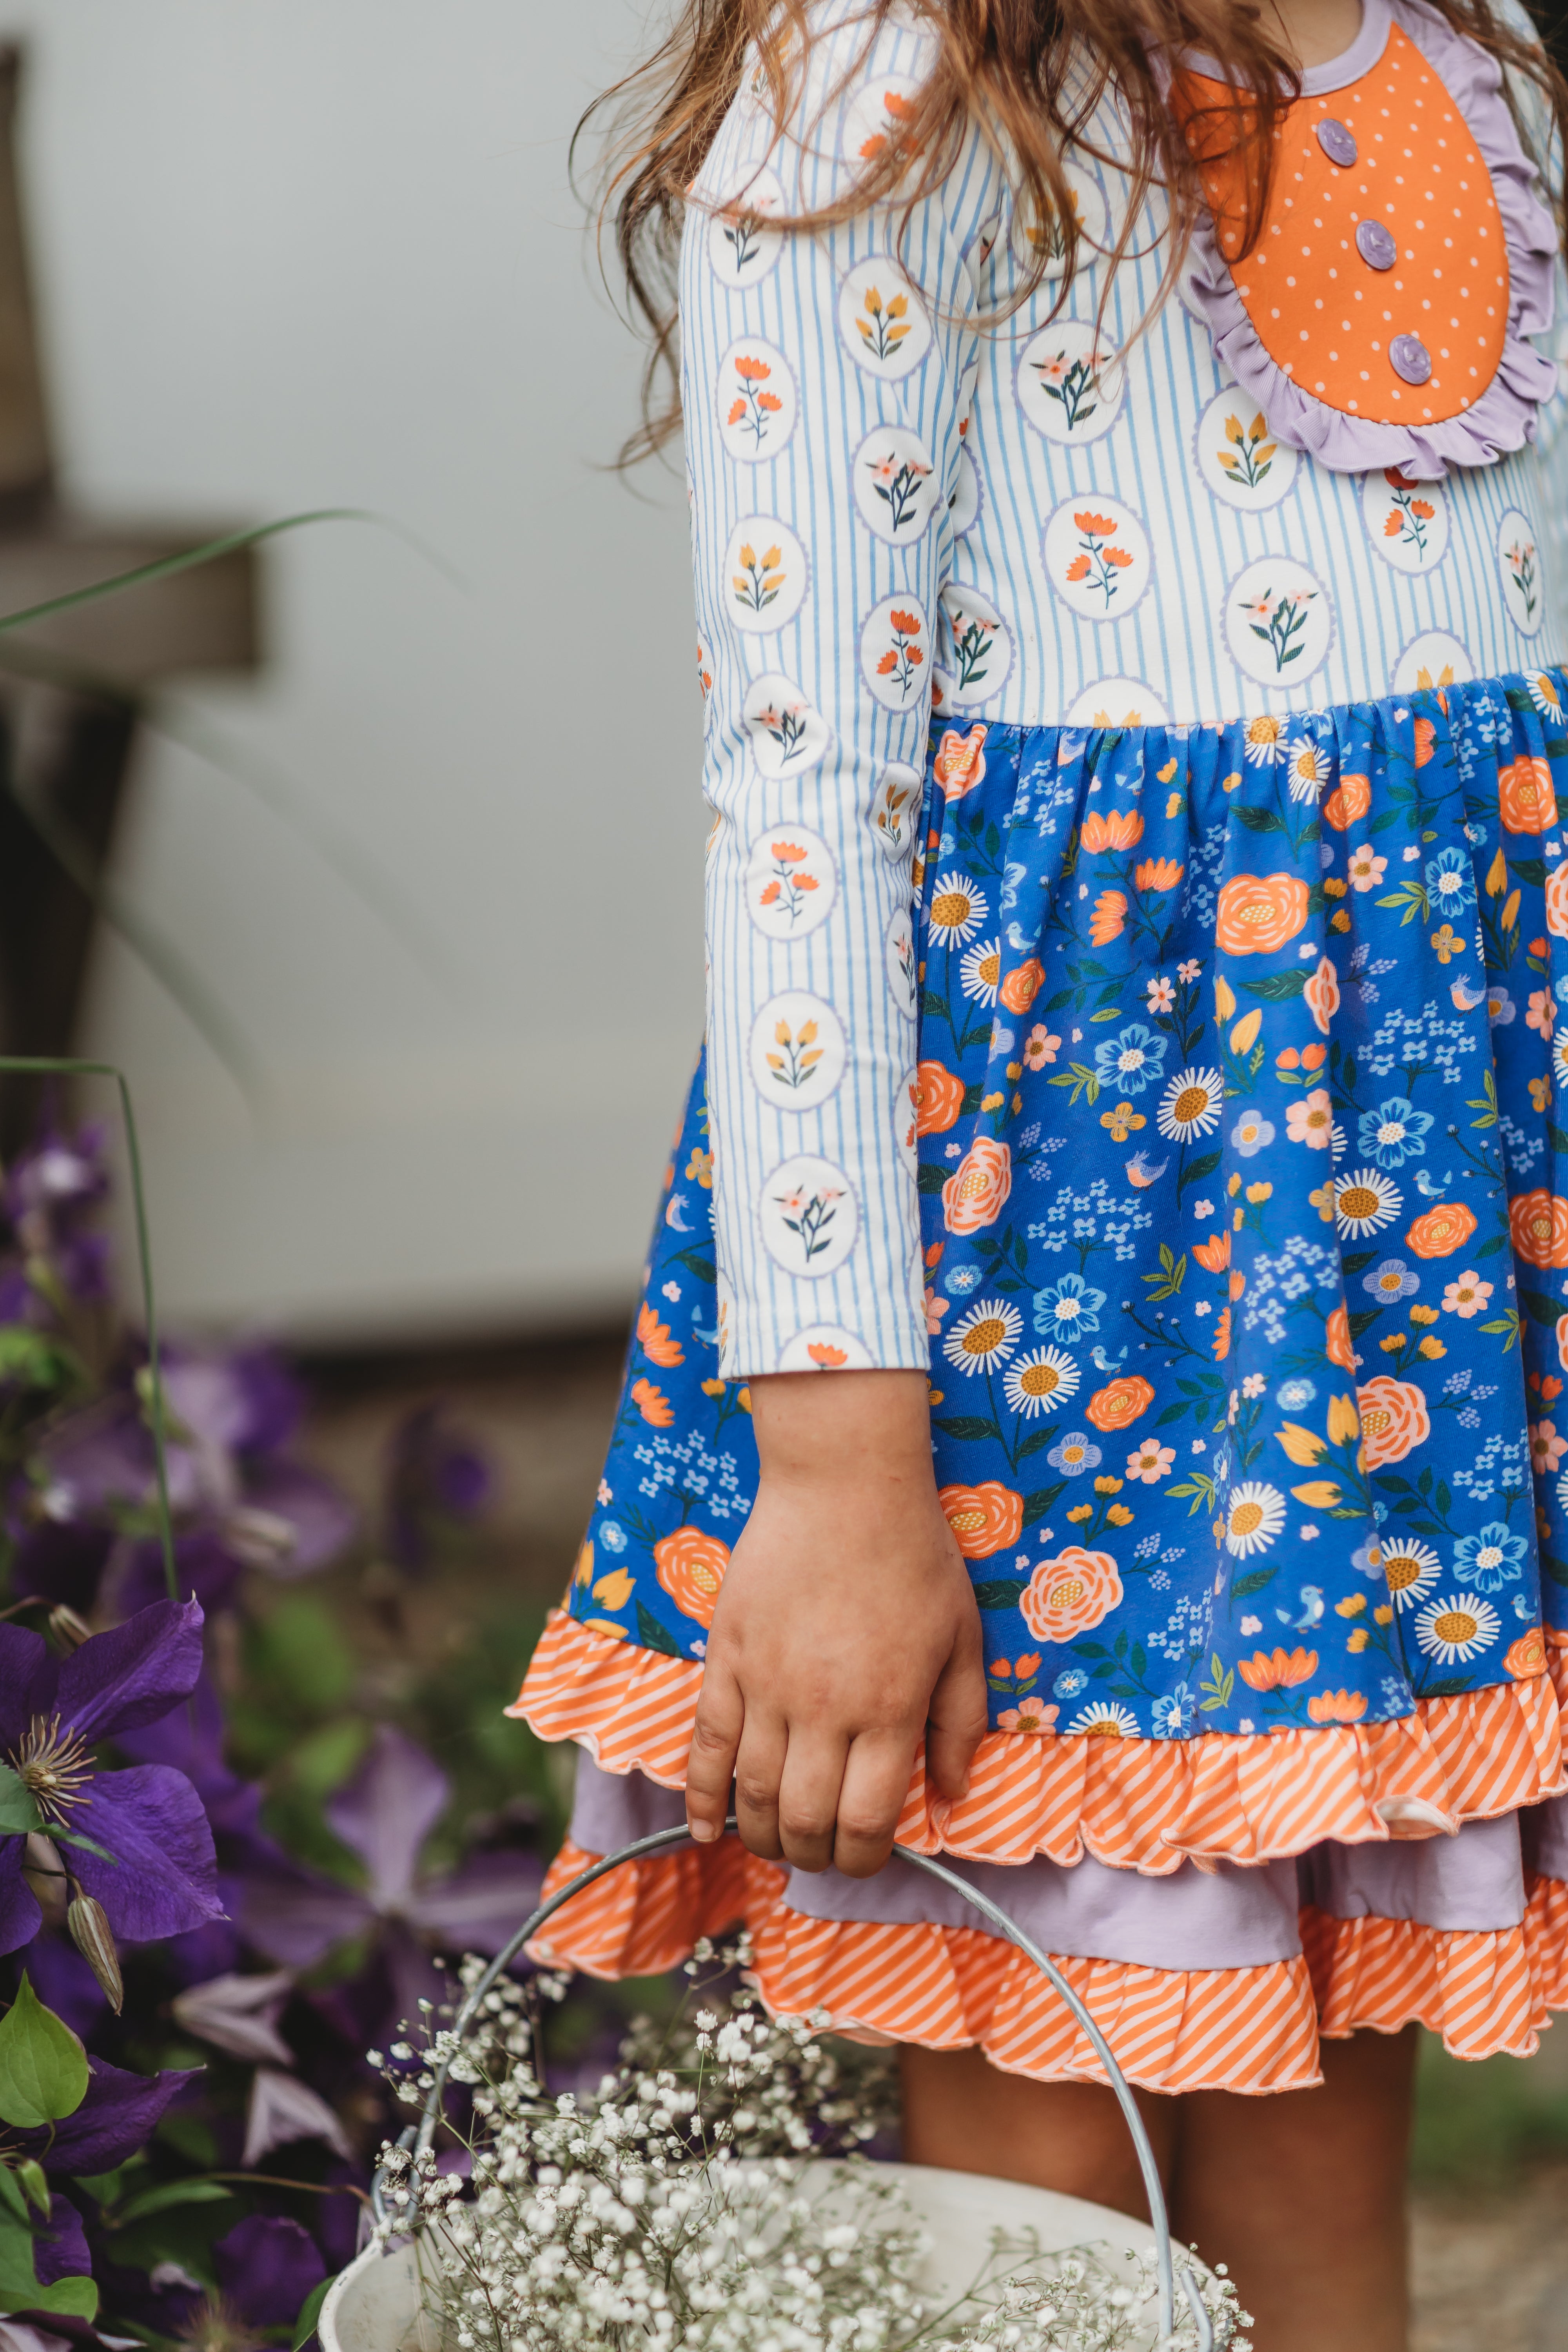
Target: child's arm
{"x": 846, "y": 1619}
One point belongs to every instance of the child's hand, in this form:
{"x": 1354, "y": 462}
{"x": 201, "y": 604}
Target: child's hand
{"x": 845, "y": 1630}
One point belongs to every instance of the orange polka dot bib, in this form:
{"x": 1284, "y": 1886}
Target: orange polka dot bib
{"x": 1403, "y": 257}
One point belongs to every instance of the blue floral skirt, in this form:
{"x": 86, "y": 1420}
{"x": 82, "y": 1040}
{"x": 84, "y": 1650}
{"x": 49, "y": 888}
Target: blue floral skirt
{"x": 1247, "y": 1261}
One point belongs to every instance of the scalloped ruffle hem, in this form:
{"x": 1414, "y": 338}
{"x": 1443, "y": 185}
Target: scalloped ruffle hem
{"x": 1253, "y": 2030}
{"x": 1137, "y": 1804}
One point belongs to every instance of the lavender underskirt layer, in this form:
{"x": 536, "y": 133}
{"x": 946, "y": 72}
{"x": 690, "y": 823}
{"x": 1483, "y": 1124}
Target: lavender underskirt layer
{"x": 1230, "y": 1918}
{"x": 1503, "y": 419}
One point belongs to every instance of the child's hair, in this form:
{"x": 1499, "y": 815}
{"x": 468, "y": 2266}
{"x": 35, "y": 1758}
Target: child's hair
{"x": 1032, "y": 71}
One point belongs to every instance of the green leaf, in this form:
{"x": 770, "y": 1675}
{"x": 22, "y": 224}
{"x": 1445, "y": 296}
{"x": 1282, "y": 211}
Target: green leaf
{"x": 1354, "y": 1262}
{"x": 34, "y": 2183}
{"x": 12, "y": 2200}
{"x": 20, "y": 1814}
{"x": 995, "y": 1594}
{"x": 1532, "y": 871}
{"x": 1257, "y": 820}
{"x": 310, "y": 2312}
{"x": 967, "y": 1428}
{"x": 1540, "y": 1307}
{"x": 1555, "y": 1569}
{"x": 1037, "y": 1504}
{"x": 1280, "y": 987}
{"x": 167, "y": 2193}
{"x": 1193, "y": 1173}
{"x": 29, "y": 1360}
{"x": 655, "y": 1635}
{"x": 43, "y": 2066}
{"x": 1245, "y": 1586}
{"x": 1033, "y": 1443}
{"x": 931, "y": 1179}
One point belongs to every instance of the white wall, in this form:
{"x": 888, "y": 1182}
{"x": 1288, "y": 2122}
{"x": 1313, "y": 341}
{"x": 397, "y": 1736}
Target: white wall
{"x": 297, "y": 253}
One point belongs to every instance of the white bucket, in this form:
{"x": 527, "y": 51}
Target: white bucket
{"x": 375, "y": 2305}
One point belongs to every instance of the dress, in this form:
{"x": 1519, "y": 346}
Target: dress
{"x": 1134, "y": 902}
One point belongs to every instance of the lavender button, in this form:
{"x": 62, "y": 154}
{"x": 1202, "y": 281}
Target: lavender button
{"x": 1337, "y": 142}
{"x": 1410, "y": 358}
{"x": 1375, "y": 245}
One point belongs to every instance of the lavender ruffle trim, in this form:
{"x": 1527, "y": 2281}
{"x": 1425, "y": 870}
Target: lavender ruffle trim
{"x": 1229, "y": 1918}
{"x": 1504, "y": 417}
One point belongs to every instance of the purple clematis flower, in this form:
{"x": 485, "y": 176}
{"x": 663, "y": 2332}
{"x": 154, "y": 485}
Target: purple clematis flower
{"x": 267, "y": 2267}
{"x": 53, "y": 1713}
{"x": 434, "y": 1476}
{"x": 384, "y": 1814}
{"x": 48, "y": 1191}
{"x": 119, "y": 2114}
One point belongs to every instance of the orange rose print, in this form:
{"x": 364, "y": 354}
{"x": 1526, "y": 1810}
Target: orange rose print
{"x": 1538, "y": 1222}
{"x": 1525, "y": 796}
{"x": 1563, "y": 1341}
{"x": 656, "y": 1340}
{"x": 1279, "y": 1670}
{"x": 1119, "y": 1406}
{"x": 1394, "y": 1419}
{"x": 1122, "y": 829}
{"x": 983, "y": 1520}
{"x": 1351, "y": 798}
{"x": 939, "y": 1097}
{"x": 1442, "y": 1230}
{"x": 1259, "y": 912}
{"x": 1557, "y": 900}
{"x": 1069, "y": 1594}
{"x": 974, "y": 1194}
{"x": 1020, "y": 988}
{"x": 1527, "y": 1658}
{"x": 1337, "y": 1706}
{"x": 691, "y": 1568}
{"x": 1322, "y": 993}
{"x": 1337, "y": 1340}
{"x": 960, "y": 763}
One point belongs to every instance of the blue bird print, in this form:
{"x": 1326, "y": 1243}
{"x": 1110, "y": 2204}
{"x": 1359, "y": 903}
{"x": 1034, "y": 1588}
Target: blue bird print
{"x": 1107, "y": 1363}
{"x": 1311, "y": 1610}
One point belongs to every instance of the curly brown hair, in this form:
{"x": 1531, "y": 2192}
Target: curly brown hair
{"x": 1019, "y": 67}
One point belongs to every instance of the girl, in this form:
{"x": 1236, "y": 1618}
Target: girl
{"x": 1121, "y": 443}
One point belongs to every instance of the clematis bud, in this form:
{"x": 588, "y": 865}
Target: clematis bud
{"x": 45, "y": 1874}
{"x": 94, "y": 1939}
{"x": 68, "y": 1630}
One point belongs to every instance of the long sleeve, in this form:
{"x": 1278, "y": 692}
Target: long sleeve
{"x": 823, "y": 382}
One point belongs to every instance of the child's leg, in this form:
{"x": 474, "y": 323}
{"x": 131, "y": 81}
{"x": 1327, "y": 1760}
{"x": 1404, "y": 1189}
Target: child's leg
{"x": 1303, "y": 2195}
{"x": 962, "y": 2112}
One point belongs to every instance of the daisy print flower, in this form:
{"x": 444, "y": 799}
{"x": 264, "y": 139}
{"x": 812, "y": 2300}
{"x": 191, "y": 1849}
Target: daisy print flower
{"x": 1191, "y": 1104}
{"x": 1455, "y": 1630}
{"x": 1105, "y": 1720}
{"x": 1254, "y": 1516}
{"x": 1545, "y": 693}
{"x": 985, "y": 1336}
{"x": 1411, "y": 1570}
{"x": 1265, "y": 741}
{"x": 1366, "y": 1202}
{"x": 1039, "y": 1382}
{"x": 1308, "y": 769}
{"x": 958, "y": 908}
{"x": 979, "y": 970}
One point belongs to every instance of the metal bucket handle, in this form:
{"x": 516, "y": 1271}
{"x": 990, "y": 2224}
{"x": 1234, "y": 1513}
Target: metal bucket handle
{"x": 420, "y": 2137}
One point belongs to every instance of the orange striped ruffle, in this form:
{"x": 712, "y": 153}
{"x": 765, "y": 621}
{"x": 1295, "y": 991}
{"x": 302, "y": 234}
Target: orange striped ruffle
{"x": 1249, "y": 2030}
{"x": 1139, "y": 1805}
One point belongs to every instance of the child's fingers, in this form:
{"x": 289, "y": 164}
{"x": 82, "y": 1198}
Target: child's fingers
{"x": 759, "y": 1767}
{"x": 957, "y": 1717}
{"x": 876, "y": 1782}
{"x": 809, "y": 1795}
{"x": 710, "y": 1759}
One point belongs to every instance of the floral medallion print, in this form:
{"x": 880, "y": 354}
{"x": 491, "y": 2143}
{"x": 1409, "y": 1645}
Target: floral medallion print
{"x": 1406, "y": 521}
{"x": 976, "y": 649}
{"x": 1238, "y": 456}
{"x": 808, "y": 1216}
{"x": 883, "y": 319}
{"x": 895, "y": 811}
{"x": 742, "y": 245}
{"x": 825, "y": 1347}
{"x": 1069, "y": 382}
{"x": 1235, "y": 1112}
{"x": 898, "y": 955}
{"x": 787, "y": 736}
{"x": 1118, "y": 702}
{"x": 1091, "y": 217}
{"x": 897, "y": 493}
{"x": 895, "y": 654}
{"x": 797, "y": 1051}
{"x": 791, "y": 882}
{"x": 1278, "y": 621}
{"x": 877, "y": 117}
{"x": 1519, "y": 562}
{"x": 1433, "y": 659}
{"x": 1095, "y": 554}
{"x": 757, "y": 402}
{"x": 967, "y": 499}
{"x": 765, "y": 575}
